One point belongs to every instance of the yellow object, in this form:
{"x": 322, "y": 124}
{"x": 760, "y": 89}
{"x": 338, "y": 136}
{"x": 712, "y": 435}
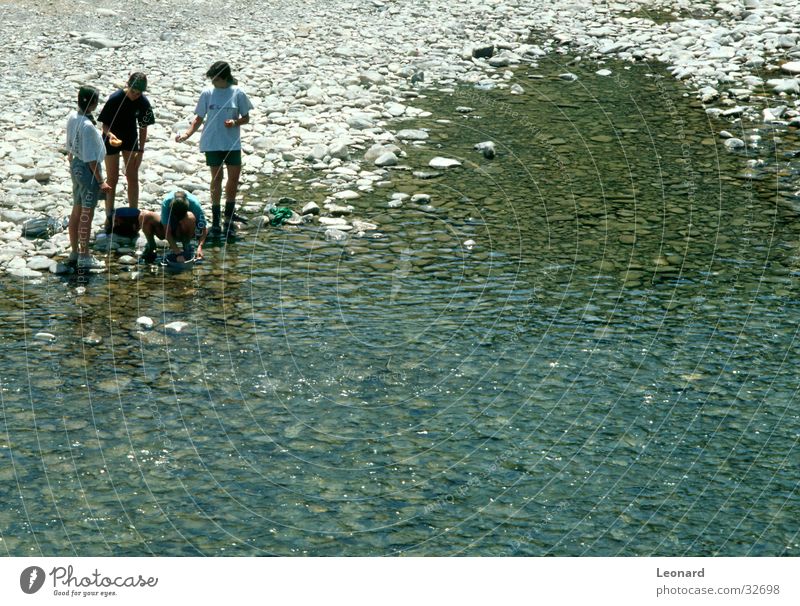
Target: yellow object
{"x": 115, "y": 142}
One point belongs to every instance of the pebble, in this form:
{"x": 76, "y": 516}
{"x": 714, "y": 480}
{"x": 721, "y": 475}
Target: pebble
{"x": 386, "y": 159}
{"x": 44, "y": 336}
{"x": 412, "y": 134}
{"x": 145, "y": 322}
{"x": 486, "y": 148}
{"x": 176, "y": 327}
{"x": 440, "y": 162}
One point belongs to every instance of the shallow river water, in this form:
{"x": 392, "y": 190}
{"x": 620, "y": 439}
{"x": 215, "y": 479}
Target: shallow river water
{"x": 609, "y": 370}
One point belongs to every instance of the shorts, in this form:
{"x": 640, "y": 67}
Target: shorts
{"x": 129, "y": 145}
{"x": 230, "y": 158}
{"x": 85, "y": 188}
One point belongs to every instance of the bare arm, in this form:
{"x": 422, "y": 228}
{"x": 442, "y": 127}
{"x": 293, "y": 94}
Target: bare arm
{"x": 196, "y": 122}
{"x": 200, "y": 241}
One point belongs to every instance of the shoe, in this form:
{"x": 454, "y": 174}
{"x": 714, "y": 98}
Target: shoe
{"x": 215, "y": 231}
{"x": 72, "y": 260}
{"x": 149, "y": 254}
{"x": 89, "y": 262}
{"x": 230, "y": 230}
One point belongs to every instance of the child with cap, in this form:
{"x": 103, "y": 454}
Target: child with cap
{"x": 125, "y": 118}
{"x": 224, "y": 107}
{"x": 85, "y": 152}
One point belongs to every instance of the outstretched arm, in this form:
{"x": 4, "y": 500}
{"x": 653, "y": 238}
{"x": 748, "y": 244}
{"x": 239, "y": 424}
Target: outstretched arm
{"x": 196, "y": 122}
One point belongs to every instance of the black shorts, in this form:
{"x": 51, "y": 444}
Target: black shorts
{"x": 130, "y": 145}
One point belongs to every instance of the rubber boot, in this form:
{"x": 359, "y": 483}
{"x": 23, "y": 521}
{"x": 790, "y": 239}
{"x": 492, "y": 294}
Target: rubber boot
{"x": 230, "y": 211}
{"x": 215, "y": 231}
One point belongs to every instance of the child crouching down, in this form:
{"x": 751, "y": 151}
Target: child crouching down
{"x": 180, "y": 220}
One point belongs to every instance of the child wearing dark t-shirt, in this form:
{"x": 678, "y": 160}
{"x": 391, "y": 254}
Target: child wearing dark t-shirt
{"x": 125, "y": 118}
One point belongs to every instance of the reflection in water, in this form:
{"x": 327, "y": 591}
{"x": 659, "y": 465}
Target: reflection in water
{"x": 605, "y": 372}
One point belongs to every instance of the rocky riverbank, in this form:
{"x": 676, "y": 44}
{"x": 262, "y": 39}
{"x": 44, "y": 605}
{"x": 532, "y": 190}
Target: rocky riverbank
{"x": 329, "y": 80}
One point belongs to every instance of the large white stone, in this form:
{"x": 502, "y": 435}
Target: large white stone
{"x": 440, "y": 162}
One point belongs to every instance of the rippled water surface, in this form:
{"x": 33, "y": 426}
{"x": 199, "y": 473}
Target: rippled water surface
{"x": 609, "y": 370}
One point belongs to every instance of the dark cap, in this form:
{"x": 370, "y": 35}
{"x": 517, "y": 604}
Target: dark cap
{"x": 87, "y": 95}
{"x": 221, "y": 69}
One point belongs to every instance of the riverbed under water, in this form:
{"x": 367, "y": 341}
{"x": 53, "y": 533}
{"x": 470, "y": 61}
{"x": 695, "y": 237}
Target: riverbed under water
{"x": 609, "y": 370}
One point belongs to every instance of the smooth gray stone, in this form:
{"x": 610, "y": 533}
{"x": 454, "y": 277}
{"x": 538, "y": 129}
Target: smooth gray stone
{"x": 412, "y": 134}
{"x": 386, "y": 159}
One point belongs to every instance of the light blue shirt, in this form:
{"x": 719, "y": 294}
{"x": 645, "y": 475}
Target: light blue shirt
{"x": 194, "y": 208}
{"x": 215, "y": 106}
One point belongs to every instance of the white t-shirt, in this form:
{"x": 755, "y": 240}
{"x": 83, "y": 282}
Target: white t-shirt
{"x": 215, "y": 106}
{"x": 83, "y": 139}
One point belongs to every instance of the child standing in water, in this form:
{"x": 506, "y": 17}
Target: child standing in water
{"x": 125, "y": 118}
{"x": 86, "y": 152}
{"x": 225, "y": 107}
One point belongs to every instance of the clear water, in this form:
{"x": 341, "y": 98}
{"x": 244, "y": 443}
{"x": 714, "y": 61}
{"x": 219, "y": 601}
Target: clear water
{"x": 610, "y": 370}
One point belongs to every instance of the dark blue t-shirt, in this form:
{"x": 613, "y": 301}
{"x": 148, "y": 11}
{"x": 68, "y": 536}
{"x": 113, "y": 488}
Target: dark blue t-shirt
{"x": 124, "y": 117}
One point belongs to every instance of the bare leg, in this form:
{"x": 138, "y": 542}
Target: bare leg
{"x": 133, "y": 160}
{"x": 151, "y": 227}
{"x": 74, "y": 218}
{"x": 112, "y": 178}
{"x": 232, "y": 184}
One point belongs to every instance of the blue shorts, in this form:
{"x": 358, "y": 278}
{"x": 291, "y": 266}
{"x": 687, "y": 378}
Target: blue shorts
{"x": 85, "y": 188}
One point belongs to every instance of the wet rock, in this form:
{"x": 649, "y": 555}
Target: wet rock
{"x": 176, "y": 327}
{"x": 441, "y": 162}
{"x": 420, "y": 199}
{"x": 734, "y": 143}
{"x": 785, "y": 85}
{"x": 312, "y": 208}
{"x": 386, "y": 159}
{"x": 486, "y": 148}
{"x": 568, "y": 76}
{"x": 412, "y": 134}
{"x": 793, "y": 67}
{"x": 145, "y": 322}
{"x": 92, "y": 339}
{"x": 44, "y": 336}
{"x": 335, "y": 235}
{"x": 347, "y": 194}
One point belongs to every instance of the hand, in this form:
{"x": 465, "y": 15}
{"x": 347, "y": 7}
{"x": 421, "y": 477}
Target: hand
{"x": 230, "y": 123}
{"x": 199, "y": 252}
{"x": 180, "y": 138}
{"x": 105, "y": 187}
{"x": 113, "y": 141}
